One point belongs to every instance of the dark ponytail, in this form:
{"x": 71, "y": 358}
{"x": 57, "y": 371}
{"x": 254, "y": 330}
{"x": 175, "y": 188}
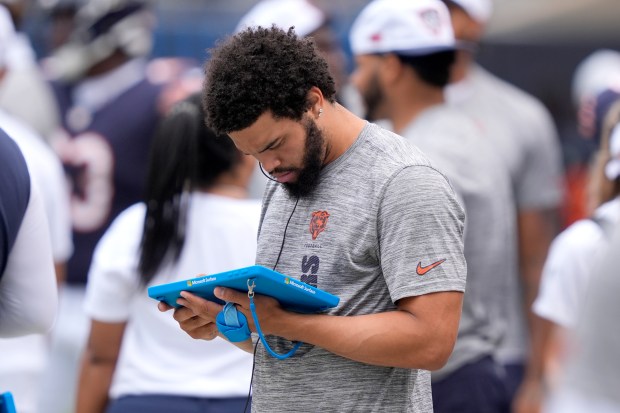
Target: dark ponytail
{"x": 185, "y": 156}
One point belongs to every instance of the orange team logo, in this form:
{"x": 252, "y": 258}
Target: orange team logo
{"x": 420, "y": 270}
{"x": 318, "y": 222}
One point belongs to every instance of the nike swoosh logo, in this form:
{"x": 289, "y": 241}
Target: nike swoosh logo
{"x": 420, "y": 270}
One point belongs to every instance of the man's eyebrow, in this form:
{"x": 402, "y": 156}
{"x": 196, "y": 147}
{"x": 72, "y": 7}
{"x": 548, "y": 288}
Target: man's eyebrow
{"x": 270, "y": 144}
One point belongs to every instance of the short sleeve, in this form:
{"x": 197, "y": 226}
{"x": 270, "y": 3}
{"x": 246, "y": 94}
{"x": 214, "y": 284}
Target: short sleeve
{"x": 420, "y": 229}
{"x": 113, "y": 278}
{"x": 566, "y": 273}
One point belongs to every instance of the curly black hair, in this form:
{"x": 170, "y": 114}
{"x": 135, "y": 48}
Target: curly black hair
{"x": 262, "y": 69}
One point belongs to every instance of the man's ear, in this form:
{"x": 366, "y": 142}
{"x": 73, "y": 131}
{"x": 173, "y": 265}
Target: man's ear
{"x": 2, "y": 73}
{"x": 316, "y": 100}
{"x": 392, "y": 68}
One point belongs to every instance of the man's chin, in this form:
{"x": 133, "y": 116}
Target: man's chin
{"x": 297, "y": 190}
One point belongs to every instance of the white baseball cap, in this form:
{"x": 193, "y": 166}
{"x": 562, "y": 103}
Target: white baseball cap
{"x": 598, "y": 71}
{"x": 406, "y": 27}
{"x": 612, "y": 169}
{"x": 302, "y": 14}
{"x": 479, "y": 10}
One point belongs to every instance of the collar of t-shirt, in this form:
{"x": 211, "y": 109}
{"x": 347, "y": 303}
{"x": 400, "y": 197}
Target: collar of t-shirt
{"x": 94, "y": 93}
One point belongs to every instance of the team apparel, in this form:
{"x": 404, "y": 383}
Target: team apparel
{"x": 109, "y": 124}
{"x": 522, "y": 131}
{"x": 108, "y": 121}
{"x": 378, "y": 211}
{"x": 454, "y": 143}
{"x": 156, "y": 356}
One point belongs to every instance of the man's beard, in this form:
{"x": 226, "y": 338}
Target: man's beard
{"x": 308, "y": 176}
{"x": 373, "y": 98}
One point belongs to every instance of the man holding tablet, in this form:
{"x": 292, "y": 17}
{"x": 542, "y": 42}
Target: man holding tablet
{"x": 352, "y": 209}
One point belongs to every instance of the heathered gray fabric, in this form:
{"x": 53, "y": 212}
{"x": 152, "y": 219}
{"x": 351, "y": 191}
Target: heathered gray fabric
{"x": 389, "y": 209}
{"x": 452, "y": 141}
{"x": 521, "y": 129}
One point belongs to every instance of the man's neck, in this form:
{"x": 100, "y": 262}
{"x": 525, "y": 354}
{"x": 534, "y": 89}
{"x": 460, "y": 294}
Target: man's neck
{"x": 341, "y": 129}
{"x": 407, "y": 106}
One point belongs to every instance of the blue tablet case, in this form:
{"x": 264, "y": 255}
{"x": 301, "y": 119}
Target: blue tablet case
{"x": 292, "y": 294}
{"x": 6, "y": 403}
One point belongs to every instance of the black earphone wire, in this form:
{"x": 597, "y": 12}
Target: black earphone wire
{"x": 247, "y": 401}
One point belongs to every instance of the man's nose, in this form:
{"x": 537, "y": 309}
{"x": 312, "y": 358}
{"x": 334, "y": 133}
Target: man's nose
{"x": 269, "y": 162}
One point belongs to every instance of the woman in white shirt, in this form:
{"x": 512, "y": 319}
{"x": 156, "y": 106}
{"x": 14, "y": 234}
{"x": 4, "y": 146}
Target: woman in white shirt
{"x": 196, "y": 219}
{"x": 575, "y": 253}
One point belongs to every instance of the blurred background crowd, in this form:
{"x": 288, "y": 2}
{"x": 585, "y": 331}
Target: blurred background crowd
{"x": 87, "y": 84}
{"x": 535, "y": 45}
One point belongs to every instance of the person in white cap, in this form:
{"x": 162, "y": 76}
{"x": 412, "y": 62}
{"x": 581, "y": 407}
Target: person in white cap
{"x": 404, "y": 51}
{"x": 521, "y": 129}
{"x": 570, "y": 266}
{"x": 352, "y": 209}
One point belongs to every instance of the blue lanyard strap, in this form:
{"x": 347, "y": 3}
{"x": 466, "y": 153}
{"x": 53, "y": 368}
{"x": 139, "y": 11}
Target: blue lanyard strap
{"x": 262, "y": 337}
{"x": 234, "y": 325}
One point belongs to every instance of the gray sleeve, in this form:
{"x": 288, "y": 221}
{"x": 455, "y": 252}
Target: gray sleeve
{"x": 420, "y": 230}
{"x": 540, "y": 183}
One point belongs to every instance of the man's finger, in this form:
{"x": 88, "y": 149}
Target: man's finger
{"x": 163, "y": 307}
{"x": 200, "y": 306}
{"x": 182, "y": 314}
{"x": 233, "y": 296}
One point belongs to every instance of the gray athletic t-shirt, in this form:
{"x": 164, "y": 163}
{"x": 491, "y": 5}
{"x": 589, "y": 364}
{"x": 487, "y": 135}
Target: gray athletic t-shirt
{"x": 379, "y": 210}
{"x": 521, "y": 129}
{"x": 454, "y": 143}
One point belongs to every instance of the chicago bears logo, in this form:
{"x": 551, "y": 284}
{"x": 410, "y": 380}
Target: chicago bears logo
{"x": 318, "y": 222}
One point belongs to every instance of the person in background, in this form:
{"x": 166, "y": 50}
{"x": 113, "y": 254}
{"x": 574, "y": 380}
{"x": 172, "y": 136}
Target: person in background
{"x": 25, "y": 82}
{"x": 404, "y": 51}
{"x": 24, "y": 358}
{"x": 196, "y": 218}
{"x": 109, "y": 110}
{"x": 595, "y": 84}
{"x": 591, "y": 381}
{"x": 28, "y": 292}
{"x": 521, "y": 130}
{"x": 569, "y": 270}
{"x": 27, "y": 304}
{"x": 342, "y": 213}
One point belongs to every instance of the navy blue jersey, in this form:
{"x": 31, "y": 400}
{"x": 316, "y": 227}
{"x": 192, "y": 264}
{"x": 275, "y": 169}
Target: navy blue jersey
{"x": 106, "y": 163}
{"x": 14, "y": 195}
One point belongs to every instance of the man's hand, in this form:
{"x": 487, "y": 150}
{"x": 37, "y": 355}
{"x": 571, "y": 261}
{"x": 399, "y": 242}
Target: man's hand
{"x": 196, "y": 316}
{"x": 268, "y": 309}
